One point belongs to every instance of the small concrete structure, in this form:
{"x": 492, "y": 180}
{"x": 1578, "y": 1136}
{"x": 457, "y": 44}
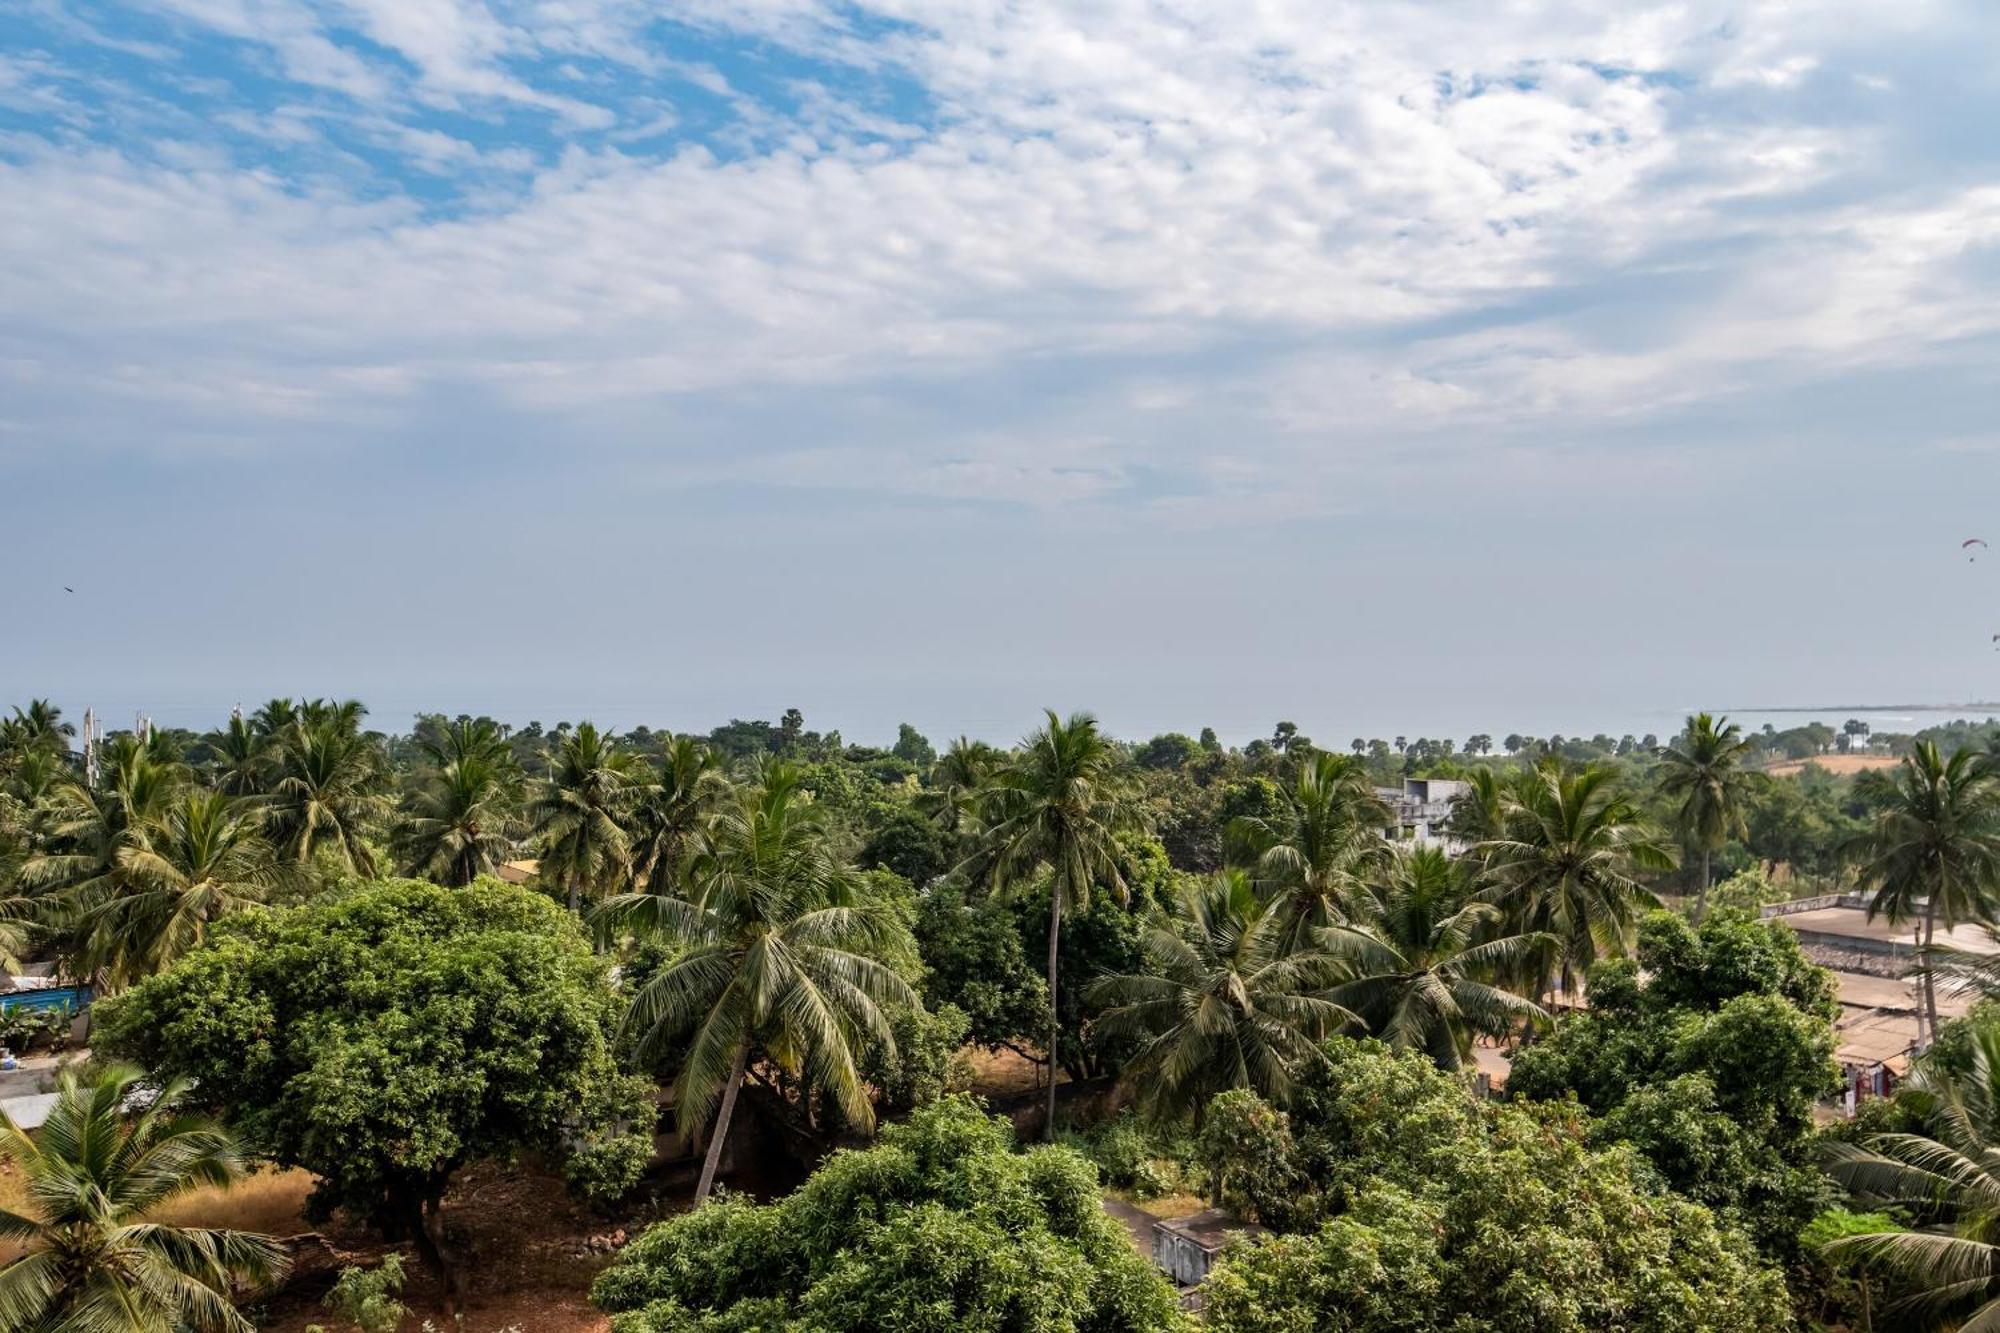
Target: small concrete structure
{"x": 1185, "y": 1247}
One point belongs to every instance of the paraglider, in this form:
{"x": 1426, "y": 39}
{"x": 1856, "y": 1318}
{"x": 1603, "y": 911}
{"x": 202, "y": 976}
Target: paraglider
{"x": 1967, "y": 545}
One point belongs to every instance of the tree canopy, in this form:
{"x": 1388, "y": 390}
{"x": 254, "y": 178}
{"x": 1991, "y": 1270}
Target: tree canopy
{"x": 386, "y": 1036}
{"x": 941, "y": 1225}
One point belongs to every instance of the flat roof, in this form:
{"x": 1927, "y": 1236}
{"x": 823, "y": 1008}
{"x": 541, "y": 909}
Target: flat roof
{"x": 1853, "y": 923}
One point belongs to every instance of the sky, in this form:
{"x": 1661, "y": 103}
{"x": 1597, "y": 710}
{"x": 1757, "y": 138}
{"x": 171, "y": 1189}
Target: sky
{"x": 1384, "y": 367}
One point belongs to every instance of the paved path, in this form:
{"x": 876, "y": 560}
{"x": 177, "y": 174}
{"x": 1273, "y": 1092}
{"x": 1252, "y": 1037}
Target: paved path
{"x": 1138, "y": 1222}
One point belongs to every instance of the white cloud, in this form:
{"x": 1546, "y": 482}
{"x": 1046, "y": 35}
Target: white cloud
{"x": 1409, "y": 204}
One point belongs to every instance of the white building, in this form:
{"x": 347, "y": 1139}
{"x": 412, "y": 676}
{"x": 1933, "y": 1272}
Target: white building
{"x": 1420, "y": 807}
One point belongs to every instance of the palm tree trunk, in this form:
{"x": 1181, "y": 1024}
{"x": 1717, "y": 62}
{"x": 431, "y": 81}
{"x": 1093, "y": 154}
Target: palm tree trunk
{"x": 721, "y": 1130}
{"x": 1055, "y": 1020}
{"x": 1930, "y": 978}
{"x": 1701, "y": 895}
{"x": 575, "y": 893}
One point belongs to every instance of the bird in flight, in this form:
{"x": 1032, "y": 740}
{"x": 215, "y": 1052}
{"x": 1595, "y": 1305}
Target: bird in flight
{"x": 67, "y": 588}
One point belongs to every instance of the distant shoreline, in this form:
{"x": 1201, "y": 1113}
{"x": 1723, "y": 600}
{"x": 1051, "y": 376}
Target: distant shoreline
{"x": 1988, "y": 706}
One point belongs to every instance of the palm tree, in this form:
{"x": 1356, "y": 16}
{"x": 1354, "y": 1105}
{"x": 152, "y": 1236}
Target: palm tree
{"x": 670, "y": 809}
{"x": 93, "y": 1264}
{"x": 951, "y": 796}
{"x": 1949, "y": 1181}
{"x": 1419, "y": 962}
{"x": 1227, "y": 1000}
{"x": 38, "y": 728}
{"x": 1059, "y": 803}
{"x": 1934, "y": 847}
{"x": 1318, "y": 853}
{"x": 1568, "y": 863}
{"x": 579, "y": 819}
{"x": 775, "y": 957}
{"x": 88, "y": 828}
{"x": 242, "y": 753}
{"x": 327, "y": 790}
{"x": 206, "y": 857}
{"x": 1703, "y": 770}
{"x": 459, "y": 823}
{"x": 1479, "y": 813}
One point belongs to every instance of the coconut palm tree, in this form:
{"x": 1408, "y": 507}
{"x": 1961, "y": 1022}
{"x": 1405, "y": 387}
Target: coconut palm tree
{"x": 240, "y": 765}
{"x": 204, "y": 858}
{"x": 1568, "y": 864}
{"x": 670, "y": 808}
{"x": 93, "y": 1264}
{"x": 1949, "y": 1181}
{"x": 1421, "y": 961}
{"x": 1318, "y": 853}
{"x": 957, "y": 782}
{"x": 38, "y": 728}
{"x": 88, "y": 828}
{"x": 459, "y": 822}
{"x": 579, "y": 819}
{"x": 776, "y": 958}
{"x": 1704, "y": 772}
{"x": 1226, "y": 1000}
{"x": 1058, "y": 805}
{"x": 1933, "y": 850}
{"x": 1479, "y": 813}
{"x": 326, "y": 791}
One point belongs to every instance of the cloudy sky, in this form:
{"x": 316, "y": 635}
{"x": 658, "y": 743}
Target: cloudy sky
{"x": 1379, "y": 366}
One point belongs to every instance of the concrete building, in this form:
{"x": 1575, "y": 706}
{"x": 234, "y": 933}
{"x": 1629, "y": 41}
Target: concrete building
{"x": 1420, "y": 808}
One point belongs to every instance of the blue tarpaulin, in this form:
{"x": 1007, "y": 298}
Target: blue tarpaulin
{"x": 62, "y": 999}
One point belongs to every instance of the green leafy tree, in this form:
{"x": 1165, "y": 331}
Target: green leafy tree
{"x": 1947, "y": 1269}
{"x": 1416, "y": 1209}
{"x": 1059, "y": 804}
{"x": 1705, "y": 774}
{"x": 1419, "y": 961}
{"x": 975, "y": 960}
{"x": 912, "y": 747}
{"x": 579, "y": 820}
{"x": 1226, "y": 1000}
{"x": 778, "y": 956}
{"x": 1568, "y": 863}
{"x": 92, "y": 1263}
{"x": 939, "y": 1226}
{"x": 1933, "y": 850}
{"x": 386, "y": 1037}
{"x": 1707, "y": 1053}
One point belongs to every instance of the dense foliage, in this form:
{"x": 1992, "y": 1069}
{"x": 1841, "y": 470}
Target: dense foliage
{"x": 940, "y": 1225}
{"x": 1706, "y": 1053}
{"x": 1409, "y": 1206}
{"x": 386, "y": 1036}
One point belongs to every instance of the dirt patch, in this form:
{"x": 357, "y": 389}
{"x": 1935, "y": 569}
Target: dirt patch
{"x": 1839, "y": 764}
{"x": 1004, "y": 1076}
{"x": 527, "y": 1251}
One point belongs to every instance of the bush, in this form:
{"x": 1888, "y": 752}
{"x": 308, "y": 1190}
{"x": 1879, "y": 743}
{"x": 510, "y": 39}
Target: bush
{"x": 366, "y": 1298}
{"x": 1136, "y": 1158}
{"x": 602, "y": 1171}
{"x": 940, "y": 1225}
{"x": 1416, "y": 1208}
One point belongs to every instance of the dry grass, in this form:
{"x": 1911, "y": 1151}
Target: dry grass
{"x": 269, "y": 1202}
{"x": 1167, "y": 1206}
{"x": 1841, "y": 764}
